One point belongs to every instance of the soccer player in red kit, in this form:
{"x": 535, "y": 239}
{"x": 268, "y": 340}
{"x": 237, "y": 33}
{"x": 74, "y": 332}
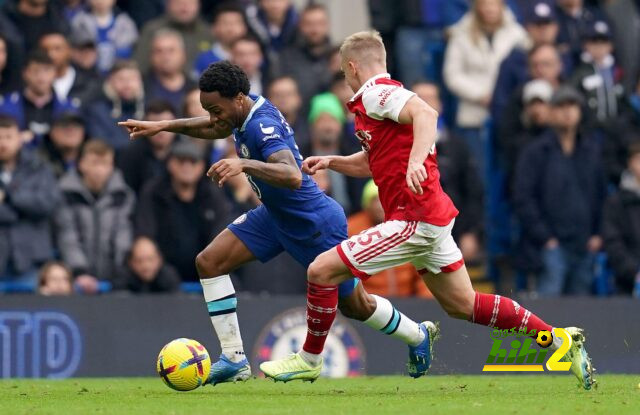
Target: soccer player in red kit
{"x": 397, "y": 131}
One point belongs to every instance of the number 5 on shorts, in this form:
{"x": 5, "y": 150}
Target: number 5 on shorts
{"x": 367, "y": 238}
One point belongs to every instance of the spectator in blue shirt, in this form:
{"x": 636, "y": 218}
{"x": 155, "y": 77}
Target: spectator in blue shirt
{"x": 227, "y": 26}
{"x": 167, "y": 79}
{"x": 182, "y": 16}
{"x": 274, "y": 22}
{"x": 574, "y": 18}
{"x": 122, "y": 98}
{"x": 113, "y": 31}
{"x": 36, "y": 106}
{"x": 71, "y": 8}
{"x": 541, "y": 24}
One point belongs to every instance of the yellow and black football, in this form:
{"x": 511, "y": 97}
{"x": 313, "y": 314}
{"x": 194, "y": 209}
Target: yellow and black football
{"x": 544, "y": 339}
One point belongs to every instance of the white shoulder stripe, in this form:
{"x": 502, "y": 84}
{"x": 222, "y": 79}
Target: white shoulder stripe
{"x": 385, "y": 101}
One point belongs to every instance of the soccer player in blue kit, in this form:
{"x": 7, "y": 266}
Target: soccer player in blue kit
{"x": 295, "y": 216}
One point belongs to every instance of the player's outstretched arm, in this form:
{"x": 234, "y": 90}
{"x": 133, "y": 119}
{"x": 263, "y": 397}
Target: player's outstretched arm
{"x": 424, "y": 120}
{"x": 280, "y": 170}
{"x": 198, "y": 127}
{"x": 355, "y": 165}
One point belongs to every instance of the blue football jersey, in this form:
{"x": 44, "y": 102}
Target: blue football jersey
{"x": 300, "y": 213}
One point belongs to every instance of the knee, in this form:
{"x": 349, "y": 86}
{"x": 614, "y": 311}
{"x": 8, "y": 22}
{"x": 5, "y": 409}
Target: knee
{"x": 316, "y": 273}
{"x": 208, "y": 267}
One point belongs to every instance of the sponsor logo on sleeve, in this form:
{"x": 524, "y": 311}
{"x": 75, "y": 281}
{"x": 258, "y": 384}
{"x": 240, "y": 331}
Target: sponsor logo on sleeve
{"x": 385, "y": 94}
{"x": 269, "y": 132}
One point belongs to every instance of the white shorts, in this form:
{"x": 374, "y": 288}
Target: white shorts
{"x": 428, "y": 247}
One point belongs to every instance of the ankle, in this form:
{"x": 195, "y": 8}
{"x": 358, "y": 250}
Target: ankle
{"x": 235, "y": 354}
{"x": 311, "y": 359}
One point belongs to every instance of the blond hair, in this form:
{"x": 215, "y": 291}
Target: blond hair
{"x": 480, "y": 28}
{"x": 365, "y": 48}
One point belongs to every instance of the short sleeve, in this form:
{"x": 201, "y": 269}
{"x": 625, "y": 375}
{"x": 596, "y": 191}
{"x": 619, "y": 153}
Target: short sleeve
{"x": 385, "y": 101}
{"x": 269, "y": 136}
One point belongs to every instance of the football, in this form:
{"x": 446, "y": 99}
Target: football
{"x": 544, "y": 339}
{"x": 183, "y": 364}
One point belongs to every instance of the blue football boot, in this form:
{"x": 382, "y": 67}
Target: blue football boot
{"x": 224, "y": 370}
{"x": 420, "y": 356}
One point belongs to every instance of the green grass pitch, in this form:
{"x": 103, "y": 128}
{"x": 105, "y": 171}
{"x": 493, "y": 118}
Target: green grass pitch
{"x": 534, "y": 394}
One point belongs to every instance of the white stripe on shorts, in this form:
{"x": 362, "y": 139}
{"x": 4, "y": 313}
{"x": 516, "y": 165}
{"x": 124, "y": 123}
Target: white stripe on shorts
{"x": 406, "y": 234}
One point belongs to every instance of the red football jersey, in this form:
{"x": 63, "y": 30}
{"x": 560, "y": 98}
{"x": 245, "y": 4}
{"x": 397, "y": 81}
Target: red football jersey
{"x": 377, "y": 106}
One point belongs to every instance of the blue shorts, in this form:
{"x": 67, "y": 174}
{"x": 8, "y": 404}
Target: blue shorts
{"x": 265, "y": 240}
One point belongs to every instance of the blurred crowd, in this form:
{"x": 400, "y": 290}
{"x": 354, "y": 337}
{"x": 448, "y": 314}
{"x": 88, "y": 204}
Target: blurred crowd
{"x": 538, "y": 140}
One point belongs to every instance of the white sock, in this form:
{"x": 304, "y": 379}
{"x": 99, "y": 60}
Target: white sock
{"x": 311, "y": 358}
{"x": 221, "y": 303}
{"x": 392, "y": 322}
{"x": 557, "y": 340}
